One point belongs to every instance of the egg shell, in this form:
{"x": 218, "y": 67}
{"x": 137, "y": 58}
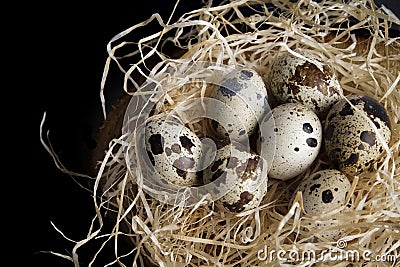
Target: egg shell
{"x": 325, "y": 191}
{"x": 298, "y": 138}
{"x": 241, "y": 172}
{"x": 312, "y": 83}
{"x": 245, "y": 93}
{"x": 350, "y": 138}
{"x": 174, "y": 151}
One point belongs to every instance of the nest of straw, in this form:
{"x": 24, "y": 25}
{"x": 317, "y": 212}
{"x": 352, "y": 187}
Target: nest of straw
{"x": 354, "y": 38}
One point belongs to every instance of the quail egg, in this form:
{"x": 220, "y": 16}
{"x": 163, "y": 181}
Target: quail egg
{"x": 240, "y": 172}
{"x": 174, "y": 151}
{"x": 245, "y": 93}
{"x": 310, "y": 82}
{"x": 325, "y": 191}
{"x": 351, "y": 141}
{"x": 296, "y": 140}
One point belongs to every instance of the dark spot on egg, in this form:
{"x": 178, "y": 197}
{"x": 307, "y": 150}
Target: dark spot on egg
{"x": 353, "y": 158}
{"x": 151, "y": 158}
{"x": 181, "y": 173}
{"x": 377, "y": 125}
{"x": 368, "y": 137}
{"x": 293, "y": 88}
{"x": 376, "y": 110}
{"x": 258, "y": 96}
{"x": 218, "y": 176}
{"x": 329, "y": 132}
{"x": 156, "y": 142}
{"x": 327, "y": 196}
{"x": 316, "y": 176}
{"x": 217, "y": 164}
{"x": 250, "y": 169}
{"x": 245, "y": 198}
{"x": 186, "y": 143}
{"x": 242, "y": 132}
{"x": 246, "y": 74}
{"x": 296, "y": 149}
{"x": 176, "y": 148}
{"x": 314, "y": 187}
{"x": 307, "y": 128}
{"x": 361, "y": 147}
{"x": 230, "y": 87}
{"x": 308, "y": 74}
{"x": 311, "y": 142}
{"x": 184, "y": 163}
{"x": 275, "y": 130}
{"x": 168, "y": 151}
{"x": 347, "y": 110}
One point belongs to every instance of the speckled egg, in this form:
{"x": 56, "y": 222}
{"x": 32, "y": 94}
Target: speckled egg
{"x": 174, "y": 151}
{"x": 351, "y": 141}
{"x": 244, "y": 92}
{"x": 239, "y": 172}
{"x": 310, "y": 82}
{"x": 325, "y": 191}
{"x": 298, "y": 138}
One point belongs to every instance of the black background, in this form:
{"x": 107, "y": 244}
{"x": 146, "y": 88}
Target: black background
{"x": 57, "y": 69}
{"x": 63, "y": 55}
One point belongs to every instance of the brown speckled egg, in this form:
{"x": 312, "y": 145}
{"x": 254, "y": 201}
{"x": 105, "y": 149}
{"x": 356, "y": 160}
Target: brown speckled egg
{"x": 297, "y": 142}
{"x": 323, "y": 192}
{"x": 241, "y": 172}
{"x": 312, "y": 83}
{"x": 244, "y": 92}
{"x": 350, "y": 139}
{"x": 174, "y": 151}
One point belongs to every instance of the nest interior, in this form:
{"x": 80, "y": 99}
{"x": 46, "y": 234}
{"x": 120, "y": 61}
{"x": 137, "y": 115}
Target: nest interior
{"x": 354, "y": 37}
